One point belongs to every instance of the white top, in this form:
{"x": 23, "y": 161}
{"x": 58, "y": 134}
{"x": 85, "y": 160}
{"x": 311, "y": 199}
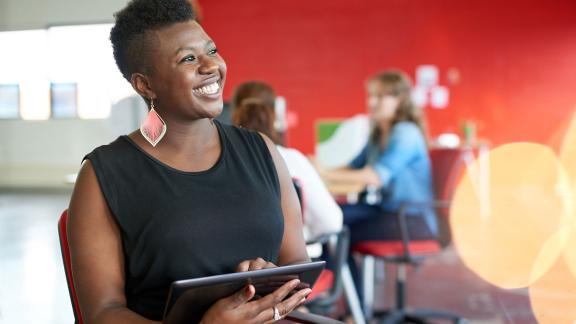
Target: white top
{"x": 321, "y": 213}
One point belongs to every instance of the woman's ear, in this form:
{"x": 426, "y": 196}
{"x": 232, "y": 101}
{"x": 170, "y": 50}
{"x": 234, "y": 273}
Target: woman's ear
{"x": 141, "y": 84}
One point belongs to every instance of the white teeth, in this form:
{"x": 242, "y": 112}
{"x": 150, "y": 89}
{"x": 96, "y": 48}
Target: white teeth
{"x": 208, "y": 89}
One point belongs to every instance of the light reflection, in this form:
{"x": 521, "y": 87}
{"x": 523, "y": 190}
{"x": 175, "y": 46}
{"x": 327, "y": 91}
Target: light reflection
{"x": 511, "y": 245}
{"x": 530, "y": 236}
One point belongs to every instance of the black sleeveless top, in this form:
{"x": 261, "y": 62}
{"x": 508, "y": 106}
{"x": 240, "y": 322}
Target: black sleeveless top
{"x": 179, "y": 225}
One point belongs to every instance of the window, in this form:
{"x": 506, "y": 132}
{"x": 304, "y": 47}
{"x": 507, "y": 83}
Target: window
{"x": 63, "y": 100}
{"x": 61, "y": 72}
{"x": 22, "y": 64}
{"x": 9, "y": 101}
{"x": 82, "y": 64}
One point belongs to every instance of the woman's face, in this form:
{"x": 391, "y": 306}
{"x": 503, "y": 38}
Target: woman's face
{"x": 187, "y": 74}
{"x": 382, "y": 105}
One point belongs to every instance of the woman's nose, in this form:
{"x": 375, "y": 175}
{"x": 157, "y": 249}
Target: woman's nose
{"x": 208, "y": 65}
{"x": 372, "y": 102}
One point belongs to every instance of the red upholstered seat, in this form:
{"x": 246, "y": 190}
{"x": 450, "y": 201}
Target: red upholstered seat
{"x": 323, "y": 284}
{"x": 394, "y": 248}
{"x": 62, "y": 222}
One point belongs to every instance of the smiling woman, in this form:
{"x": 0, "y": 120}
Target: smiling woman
{"x": 187, "y": 72}
{"x": 185, "y": 196}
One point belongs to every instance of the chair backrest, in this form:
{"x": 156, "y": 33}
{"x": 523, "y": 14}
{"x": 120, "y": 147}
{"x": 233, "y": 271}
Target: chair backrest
{"x": 338, "y": 255}
{"x": 448, "y": 165}
{"x": 300, "y": 193}
{"x": 62, "y": 234}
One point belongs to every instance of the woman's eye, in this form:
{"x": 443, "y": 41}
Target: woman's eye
{"x": 189, "y": 58}
{"x": 213, "y": 51}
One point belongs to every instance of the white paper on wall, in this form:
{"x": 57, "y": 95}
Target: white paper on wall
{"x": 280, "y": 109}
{"x": 427, "y": 76}
{"x": 439, "y": 97}
{"x": 420, "y": 96}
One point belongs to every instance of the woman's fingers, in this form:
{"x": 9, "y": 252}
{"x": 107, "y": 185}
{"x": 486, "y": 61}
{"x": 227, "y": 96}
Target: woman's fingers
{"x": 243, "y": 266}
{"x": 273, "y": 298}
{"x": 285, "y": 307}
{"x": 257, "y": 264}
{"x": 254, "y": 264}
{"x": 242, "y": 296}
{"x": 269, "y": 265}
{"x": 231, "y": 309}
{"x": 262, "y": 310}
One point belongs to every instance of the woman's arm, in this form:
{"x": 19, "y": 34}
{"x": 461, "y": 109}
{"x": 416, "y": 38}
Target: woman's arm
{"x": 356, "y": 172}
{"x": 405, "y": 143}
{"x": 366, "y": 175}
{"x": 96, "y": 255}
{"x": 293, "y": 248}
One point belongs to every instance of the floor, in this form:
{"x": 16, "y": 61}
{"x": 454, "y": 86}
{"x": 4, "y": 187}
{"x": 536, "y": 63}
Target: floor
{"x": 444, "y": 283}
{"x": 33, "y": 287}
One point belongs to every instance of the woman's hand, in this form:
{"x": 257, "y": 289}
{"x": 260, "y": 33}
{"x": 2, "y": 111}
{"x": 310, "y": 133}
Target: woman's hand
{"x": 254, "y": 264}
{"x": 239, "y": 308}
{"x": 273, "y": 283}
{"x": 369, "y": 175}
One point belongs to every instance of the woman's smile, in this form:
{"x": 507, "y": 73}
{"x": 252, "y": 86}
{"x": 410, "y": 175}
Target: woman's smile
{"x": 209, "y": 90}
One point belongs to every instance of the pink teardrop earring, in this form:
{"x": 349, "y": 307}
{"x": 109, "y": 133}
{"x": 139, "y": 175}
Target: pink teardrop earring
{"x": 154, "y": 127}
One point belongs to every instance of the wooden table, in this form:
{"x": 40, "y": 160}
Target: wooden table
{"x": 345, "y": 192}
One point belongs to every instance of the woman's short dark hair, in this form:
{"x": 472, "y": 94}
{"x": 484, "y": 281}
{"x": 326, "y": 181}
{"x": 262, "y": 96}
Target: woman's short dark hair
{"x": 131, "y": 38}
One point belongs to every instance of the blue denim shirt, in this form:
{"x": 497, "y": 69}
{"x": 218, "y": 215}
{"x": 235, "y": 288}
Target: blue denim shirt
{"x": 404, "y": 169}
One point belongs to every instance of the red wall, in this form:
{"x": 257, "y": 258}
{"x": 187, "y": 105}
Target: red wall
{"x": 517, "y": 59}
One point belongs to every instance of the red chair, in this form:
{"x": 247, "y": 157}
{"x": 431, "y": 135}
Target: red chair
{"x": 62, "y": 234}
{"x": 294, "y": 317}
{"x": 447, "y": 166}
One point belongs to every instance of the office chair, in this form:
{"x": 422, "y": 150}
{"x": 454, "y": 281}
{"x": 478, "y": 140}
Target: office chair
{"x": 336, "y": 279}
{"x": 62, "y": 223}
{"x": 447, "y": 166}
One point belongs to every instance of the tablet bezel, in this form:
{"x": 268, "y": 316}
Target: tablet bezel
{"x": 306, "y": 272}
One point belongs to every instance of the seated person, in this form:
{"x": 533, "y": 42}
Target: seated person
{"x": 185, "y": 196}
{"x": 321, "y": 213}
{"x": 265, "y": 93}
{"x": 395, "y": 160}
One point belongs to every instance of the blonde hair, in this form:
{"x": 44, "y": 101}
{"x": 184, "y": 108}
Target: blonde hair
{"x": 397, "y": 84}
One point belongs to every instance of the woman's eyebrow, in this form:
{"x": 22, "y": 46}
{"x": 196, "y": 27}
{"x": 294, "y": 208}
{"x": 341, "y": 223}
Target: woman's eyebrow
{"x": 192, "y": 48}
{"x": 184, "y": 49}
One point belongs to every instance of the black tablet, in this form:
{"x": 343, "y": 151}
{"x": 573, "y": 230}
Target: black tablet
{"x": 188, "y": 300}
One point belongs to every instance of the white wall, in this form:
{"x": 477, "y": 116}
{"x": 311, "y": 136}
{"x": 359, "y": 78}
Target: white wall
{"x": 37, "y": 14}
{"x": 42, "y": 153}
